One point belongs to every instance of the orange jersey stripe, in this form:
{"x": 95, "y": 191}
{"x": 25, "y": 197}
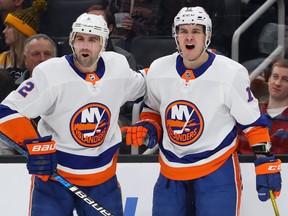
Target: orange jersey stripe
{"x": 154, "y": 119}
{"x": 19, "y": 129}
{"x": 144, "y": 116}
{"x": 152, "y": 116}
{"x": 193, "y": 172}
{"x": 257, "y": 135}
{"x": 238, "y": 181}
{"x": 90, "y": 179}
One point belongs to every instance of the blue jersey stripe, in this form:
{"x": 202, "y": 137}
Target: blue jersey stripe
{"x": 193, "y": 158}
{"x": 86, "y": 162}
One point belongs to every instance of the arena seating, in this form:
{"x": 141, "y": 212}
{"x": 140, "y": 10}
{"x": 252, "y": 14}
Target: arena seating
{"x": 147, "y": 48}
{"x": 64, "y": 48}
{"x": 60, "y": 14}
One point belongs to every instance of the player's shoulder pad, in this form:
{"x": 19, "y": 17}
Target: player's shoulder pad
{"x": 112, "y": 55}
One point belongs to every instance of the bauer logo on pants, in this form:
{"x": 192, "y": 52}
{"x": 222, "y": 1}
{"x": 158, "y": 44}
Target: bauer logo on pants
{"x": 89, "y": 125}
{"x": 184, "y": 122}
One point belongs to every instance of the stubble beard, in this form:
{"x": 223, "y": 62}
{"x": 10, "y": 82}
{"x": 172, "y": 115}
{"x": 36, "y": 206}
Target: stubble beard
{"x": 87, "y": 63}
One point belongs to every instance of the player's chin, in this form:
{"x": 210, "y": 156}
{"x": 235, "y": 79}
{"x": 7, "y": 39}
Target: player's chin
{"x": 85, "y": 63}
{"x": 190, "y": 56}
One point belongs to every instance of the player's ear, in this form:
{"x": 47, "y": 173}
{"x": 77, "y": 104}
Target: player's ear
{"x": 208, "y": 41}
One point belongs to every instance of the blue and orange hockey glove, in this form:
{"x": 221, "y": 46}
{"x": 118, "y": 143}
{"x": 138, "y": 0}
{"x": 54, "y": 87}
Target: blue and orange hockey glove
{"x": 137, "y": 133}
{"x": 268, "y": 177}
{"x": 42, "y": 160}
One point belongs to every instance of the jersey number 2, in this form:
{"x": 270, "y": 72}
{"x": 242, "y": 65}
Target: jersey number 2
{"x": 26, "y": 89}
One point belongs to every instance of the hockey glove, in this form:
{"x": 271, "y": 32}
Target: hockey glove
{"x": 42, "y": 157}
{"x": 138, "y": 132}
{"x": 268, "y": 177}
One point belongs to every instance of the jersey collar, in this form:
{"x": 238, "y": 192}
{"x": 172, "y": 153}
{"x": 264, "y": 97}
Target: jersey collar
{"x": 99, "y": 71}
{"x": 181, "y": 69}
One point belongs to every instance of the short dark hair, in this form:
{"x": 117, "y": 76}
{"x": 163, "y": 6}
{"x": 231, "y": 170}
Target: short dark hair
{"x": 110, "y": 19}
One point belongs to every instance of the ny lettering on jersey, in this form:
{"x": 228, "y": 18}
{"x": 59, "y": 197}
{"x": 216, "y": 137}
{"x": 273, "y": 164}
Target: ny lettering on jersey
{"x": 89, "y": 125}
{"x": 184, "y": 122}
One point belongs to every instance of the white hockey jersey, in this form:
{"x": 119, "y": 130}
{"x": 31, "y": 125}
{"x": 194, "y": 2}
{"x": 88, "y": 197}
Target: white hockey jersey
{"x": 82, "y": 117}
{"x": 199, "y": 110}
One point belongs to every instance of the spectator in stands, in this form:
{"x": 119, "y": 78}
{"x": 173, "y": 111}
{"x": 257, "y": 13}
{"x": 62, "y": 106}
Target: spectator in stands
{"x": 20, "y": 25}
{"x": 6, "y": 86}
{"x": 141, "y": 21}
{"x": 110, "y": 19}
{"x": 9, "y": 6}
{"x": 37, "y": 48}
{"x": 259, "y": 86}
{"x": 276, "y": 110}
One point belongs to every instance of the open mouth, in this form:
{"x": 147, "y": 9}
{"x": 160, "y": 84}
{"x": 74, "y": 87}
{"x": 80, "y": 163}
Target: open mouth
{"x": 85, "y": 55}
{"x": 190, "y": 46}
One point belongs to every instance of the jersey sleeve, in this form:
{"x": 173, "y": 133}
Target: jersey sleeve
{"x": 16, "y": 126}
{"x": 151, "y": 99}
{"x": 245, "y": 109}
{"x": 135, "y": 86}
{"x": 31, "y": 99}
{"x": 151, "y": 107}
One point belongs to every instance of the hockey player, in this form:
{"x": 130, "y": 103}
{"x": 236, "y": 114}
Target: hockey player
{"x": 194, "y": 100}
{"x": 78, "y": 98}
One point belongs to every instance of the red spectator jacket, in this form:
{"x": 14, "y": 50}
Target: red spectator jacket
{"x": 278, "y": 130}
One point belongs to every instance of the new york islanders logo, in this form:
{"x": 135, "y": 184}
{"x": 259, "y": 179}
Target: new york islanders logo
{"x": 184, "y": 122}
{"x": 89, "y": 125}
